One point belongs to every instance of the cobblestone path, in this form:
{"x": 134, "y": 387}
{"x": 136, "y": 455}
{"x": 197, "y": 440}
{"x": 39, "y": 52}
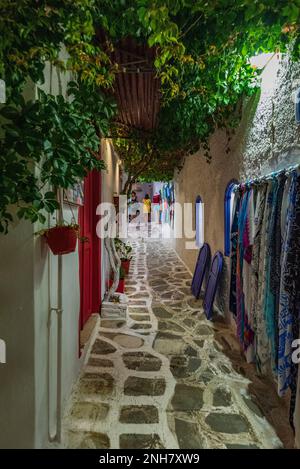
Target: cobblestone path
{"x": 162, "y": 378}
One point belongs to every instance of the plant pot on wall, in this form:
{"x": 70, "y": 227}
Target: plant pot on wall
{"x": 121, "y": 286}
{"x": 124, "y": 251}
{"x": 125, "y": 263}
{"x": 62, "y": 239}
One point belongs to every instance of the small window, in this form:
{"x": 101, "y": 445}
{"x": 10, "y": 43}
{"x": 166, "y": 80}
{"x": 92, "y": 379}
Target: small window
{"x": 228, "y": 206}
{"x": 199, "y": 221}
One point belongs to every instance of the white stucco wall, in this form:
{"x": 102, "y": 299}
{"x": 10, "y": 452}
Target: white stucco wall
{"x": 28, "y": 290}
{"x": 46, "y": 296}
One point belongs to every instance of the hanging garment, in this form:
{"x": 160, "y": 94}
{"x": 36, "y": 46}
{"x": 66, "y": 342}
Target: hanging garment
{"x": 255, "y": 279}
{"x": 156, "y": 198}
{"x": 295, "y": 366}
{"x": 244, "y": 255}
{"x": 239, "y": 267}
{"x": 285, "y": 317}
{"x": 172, "y": 194}
{"x": 266, "y": 294}
{"x": 168, "y": 193}
{"x": 274, "y": 244}
{"x": 289, "y": 306}
{"x": 262, "y": 349}
{"x": 233, "y": 251}
{"x": 284, "y": 207}
{"x": 248, "y": 240}
{"x": 160, "y": 206}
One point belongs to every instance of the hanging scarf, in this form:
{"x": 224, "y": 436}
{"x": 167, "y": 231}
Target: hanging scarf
{"x": 262, "y": 351}
{"x": 289, "y": 306}
{"x": 244, "y": 254}
{"x": 274, "y": 269}
{"x": 233, "y": 252}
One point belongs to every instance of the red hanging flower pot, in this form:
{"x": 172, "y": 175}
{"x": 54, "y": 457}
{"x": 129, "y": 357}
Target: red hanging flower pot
{"x": 62, "y": 239}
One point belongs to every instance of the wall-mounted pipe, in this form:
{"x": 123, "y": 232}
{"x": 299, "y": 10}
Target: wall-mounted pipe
{"x": 51, "y": 435}
{"x": 59, "y": 352}
{"x": 56, "y": 436}
{"x": 2, "y": 351}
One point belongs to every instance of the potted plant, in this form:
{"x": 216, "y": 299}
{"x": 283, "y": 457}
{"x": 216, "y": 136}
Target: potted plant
{"x": 116, "y": 202}
{"x": 121, "y": 286}
{"x": 124, "y": 251}
{"x": 62, "y": 239}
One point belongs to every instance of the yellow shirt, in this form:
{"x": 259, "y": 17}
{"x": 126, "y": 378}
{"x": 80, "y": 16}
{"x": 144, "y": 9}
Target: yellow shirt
{"x": 146, "y": 205}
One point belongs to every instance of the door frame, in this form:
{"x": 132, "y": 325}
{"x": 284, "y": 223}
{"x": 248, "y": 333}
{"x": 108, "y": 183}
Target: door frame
{"x": 88, "y": 221}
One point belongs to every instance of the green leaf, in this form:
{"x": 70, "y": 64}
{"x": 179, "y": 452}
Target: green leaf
{"x": 9, "y": 112}
{"x": 50, "y": 195}
{"x": 41, "y": 218}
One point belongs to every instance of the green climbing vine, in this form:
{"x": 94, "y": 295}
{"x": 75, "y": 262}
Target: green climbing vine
{"x": 202, "y": 51}
{"x": 52, "y": 142}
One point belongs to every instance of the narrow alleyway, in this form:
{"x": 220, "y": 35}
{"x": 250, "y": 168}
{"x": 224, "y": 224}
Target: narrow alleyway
{"x": 162, "y": 379}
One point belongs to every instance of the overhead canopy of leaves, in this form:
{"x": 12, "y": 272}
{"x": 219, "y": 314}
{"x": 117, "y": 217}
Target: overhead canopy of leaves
{"x": 203, "y": 51}
{"x": 202, "y": 59}
{"x": 143, "y": 161}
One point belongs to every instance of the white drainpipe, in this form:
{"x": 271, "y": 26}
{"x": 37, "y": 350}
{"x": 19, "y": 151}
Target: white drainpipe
{"x": 59, "y": 352}
{"x": 58, "y": 431}
{"x": 57, "y": 435}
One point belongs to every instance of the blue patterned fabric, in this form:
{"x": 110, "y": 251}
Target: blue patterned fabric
{"x": 269, "y": 299}
{"x": 290, "y": 295}
{"x": 233, "y": 253}
{"x": 274, "y": 246}
{"x": 265, "y": 276}
{"x": 244, "y": 254}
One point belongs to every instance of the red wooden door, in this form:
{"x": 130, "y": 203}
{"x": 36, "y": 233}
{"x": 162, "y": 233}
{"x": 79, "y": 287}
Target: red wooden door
{"x": 89, "y": 251}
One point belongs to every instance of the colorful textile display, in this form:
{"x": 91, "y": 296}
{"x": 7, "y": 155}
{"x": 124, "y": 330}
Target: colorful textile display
{"x": 265, "y": 275}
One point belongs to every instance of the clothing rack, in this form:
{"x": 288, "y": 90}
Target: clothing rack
{"x": 267, "y": 177}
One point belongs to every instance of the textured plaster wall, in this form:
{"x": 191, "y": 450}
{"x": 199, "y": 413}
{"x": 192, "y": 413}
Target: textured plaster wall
{"x": 270, "y": 137}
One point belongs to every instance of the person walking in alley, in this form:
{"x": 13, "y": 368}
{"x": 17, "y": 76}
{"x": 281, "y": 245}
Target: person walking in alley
{"x": 147, "y": 208}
